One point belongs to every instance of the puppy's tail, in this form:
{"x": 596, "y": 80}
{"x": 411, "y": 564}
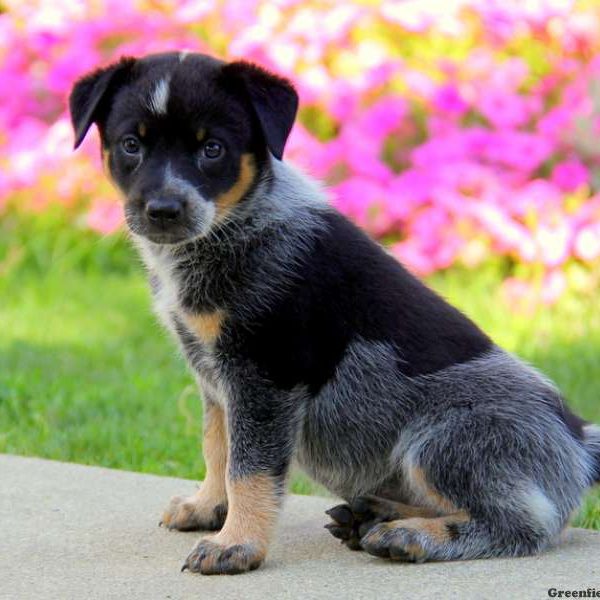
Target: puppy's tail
{"x": 591, "y": 440}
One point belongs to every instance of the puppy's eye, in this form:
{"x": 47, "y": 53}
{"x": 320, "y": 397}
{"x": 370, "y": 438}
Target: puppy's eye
{"x": 212, "y": 149}
{"x": 130, "y": 144}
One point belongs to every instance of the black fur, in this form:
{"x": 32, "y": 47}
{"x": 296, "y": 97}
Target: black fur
{"x": 89, "y": 102}
{"x": 348, "y": 289}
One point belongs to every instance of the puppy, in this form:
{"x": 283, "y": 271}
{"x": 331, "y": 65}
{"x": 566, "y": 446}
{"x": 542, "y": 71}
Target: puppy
{"x": 309, "y": 342}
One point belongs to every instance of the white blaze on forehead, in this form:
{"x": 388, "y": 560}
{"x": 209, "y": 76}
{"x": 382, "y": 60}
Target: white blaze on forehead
{"x": 159, "y": 97}
{"x": 183, "y": 54}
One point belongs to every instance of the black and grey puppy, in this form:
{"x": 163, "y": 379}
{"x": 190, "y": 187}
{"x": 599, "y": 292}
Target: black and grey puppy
{"x": 309, "y": 342}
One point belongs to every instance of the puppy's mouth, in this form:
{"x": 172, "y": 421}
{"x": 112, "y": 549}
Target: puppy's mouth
{"x": 167, "y": 223}
{"x": 166, "y": 235}
{"x": 169, "y": 237}
{"x": 166, "y": 238}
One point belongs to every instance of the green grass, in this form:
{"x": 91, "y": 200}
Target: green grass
{"x": 87, "y": 375}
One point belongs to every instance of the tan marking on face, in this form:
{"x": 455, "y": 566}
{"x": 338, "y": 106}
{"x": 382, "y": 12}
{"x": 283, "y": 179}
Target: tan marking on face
{"x": 227, "y": 200}
{"x": 142, "y": 129}
{"x": 201, "y": 134}
{"x": 252, "y": 513}
{"x": 106, "y": 165}
{"x": 429, "y": 495}
{"x": 199, "y": 508}
{"x": 207, "y": 325}
{"x": 106, "y": 161}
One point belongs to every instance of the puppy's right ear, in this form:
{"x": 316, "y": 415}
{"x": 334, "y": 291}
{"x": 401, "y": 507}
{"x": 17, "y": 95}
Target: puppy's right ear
{"x": 91, "y": 93}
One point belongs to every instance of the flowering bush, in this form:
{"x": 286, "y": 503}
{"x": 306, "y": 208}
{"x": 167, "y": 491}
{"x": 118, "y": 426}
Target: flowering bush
{"x": 452, "y": 131}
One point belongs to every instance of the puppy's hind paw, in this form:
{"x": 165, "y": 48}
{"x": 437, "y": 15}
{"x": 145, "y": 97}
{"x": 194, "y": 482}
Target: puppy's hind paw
{"x": 343, "y": 526}
{"x": 388, "y": 540}
{"x": 351, "y": 522}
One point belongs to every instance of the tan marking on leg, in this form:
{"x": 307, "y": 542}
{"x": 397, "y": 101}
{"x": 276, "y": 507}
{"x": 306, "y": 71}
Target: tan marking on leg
{"x": 437, "y": 528}
{"x": 251, "y": 517}
{"x": 429, "y": 495}
{"x": 207, "y": 326}
{"x": 142, "y": 129}
{"x": 406, "y": 511}
{"x": 214, "y": 449}
{"x": 227, "y": 200}
{"x": 185, "y": 513}
{"x": 200, "y": 134}
{"x": 398, "y": 535}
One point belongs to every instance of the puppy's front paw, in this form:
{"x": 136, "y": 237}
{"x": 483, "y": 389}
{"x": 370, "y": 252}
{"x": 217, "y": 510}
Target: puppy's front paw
{"x": 210, "y": 557}
{"x": 193, "y": 513}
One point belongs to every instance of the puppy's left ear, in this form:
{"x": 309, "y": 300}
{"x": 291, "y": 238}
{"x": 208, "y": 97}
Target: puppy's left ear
{"x": 90, "y": 94}
{"x": 273, "y": 98}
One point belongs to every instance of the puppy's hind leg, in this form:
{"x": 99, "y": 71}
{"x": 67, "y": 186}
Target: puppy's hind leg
{"x": 350, "y": 522}
{"x": 500, "y": 529}
{"x": 497, "y": 493}
{"x": 420, "y": 539}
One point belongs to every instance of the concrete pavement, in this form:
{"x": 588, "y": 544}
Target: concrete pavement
{"x": 74, "y": 532}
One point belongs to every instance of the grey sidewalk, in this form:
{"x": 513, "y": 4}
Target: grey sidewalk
{"x": 74, "y": 532}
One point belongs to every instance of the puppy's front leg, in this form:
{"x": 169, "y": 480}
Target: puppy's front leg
{"x": 261, "y": 432}
{"x": 207, "y": 508}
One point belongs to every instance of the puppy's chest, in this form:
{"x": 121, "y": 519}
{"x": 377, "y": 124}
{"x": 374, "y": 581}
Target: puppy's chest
{"x": 204, "y": 323}
{"x": 196, "y": 332}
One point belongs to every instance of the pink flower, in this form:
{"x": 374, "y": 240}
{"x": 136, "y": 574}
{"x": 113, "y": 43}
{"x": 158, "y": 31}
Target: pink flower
{"x": 363, "y": 200}
{"x": 518, "y": 149}
{"x": 538, "y": 195}
{"x": 556, "y": 123}
{"x": 362, "y": 151}
{"x": 570, "y": 174}
{"x": 415, "y": 258}
{"x": 409, "y": 190}
{"x": 448, "y": 99}
{"x": 105, "y": 217}
{"x": 509, "y": 74}
{"x": 456, "y": 145}
{"x": 318, "y": 158}
{"x": 342, "y": 100}
{"x": 419, "y": 83}
{"x": 504, "y": 110}
{"x": 383, "y": 117}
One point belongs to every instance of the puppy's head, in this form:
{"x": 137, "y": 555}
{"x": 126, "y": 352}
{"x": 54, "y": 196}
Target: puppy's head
{"x": 185, "y": 137}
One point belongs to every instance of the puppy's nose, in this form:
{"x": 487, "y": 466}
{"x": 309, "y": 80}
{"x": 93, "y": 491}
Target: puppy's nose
{"x": 164, "y": 210}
